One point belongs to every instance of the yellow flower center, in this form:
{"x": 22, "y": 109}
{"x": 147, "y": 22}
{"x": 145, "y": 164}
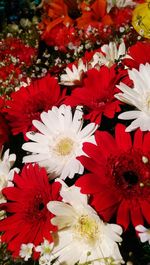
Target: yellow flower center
{"x": 148, "y": 102}
{"x": 64, "y": 146}
{"x": 86, "y": 228}
{"x": 47, "y": 250}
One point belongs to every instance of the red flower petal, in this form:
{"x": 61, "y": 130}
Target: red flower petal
{"x": 138, "y": 140}
{"x": 145, "y": 206}
{"x": 123, "y": 139}
{"x": 123, "y": 214}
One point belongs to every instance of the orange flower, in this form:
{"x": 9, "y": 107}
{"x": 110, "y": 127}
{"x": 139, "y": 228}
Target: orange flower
{"x": 94, "y": 14}
{"x": 56, "y": 12}
{"x": 59, "y": 9}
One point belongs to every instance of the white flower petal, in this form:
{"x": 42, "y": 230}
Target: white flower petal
{"x": 54, "y": 121}
{"x": 140, "y": 228}
{"x": 133, "y": 126}
{"x": 60, "y": 208}
{"x": 41, "y": 127}
{"x": 77, "y": 120}
{"x": 37, "y": 137}
{"x": 116, "y": 228}
{"x": 129, "y": 115}
{"x": 88, "y": 130}
{"x": 36, "y": 147}
{"x": 62, "y": 221}
{"x": 34, "y": 158}
{"x": 72, "y": 195}
{"x": 144, "y": 237}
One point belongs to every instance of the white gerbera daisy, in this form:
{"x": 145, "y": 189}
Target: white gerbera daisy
{"x": 74, "y": 76}
{"x": 112, "y": 53}
{"x": 6, "y": 173}
{"x": 82, "y": 235}
{"x": 119, "y": 4}
{"x": 59, "y": 141}
{"x": 139, "y": 97}
{"x": 144, "y": 233}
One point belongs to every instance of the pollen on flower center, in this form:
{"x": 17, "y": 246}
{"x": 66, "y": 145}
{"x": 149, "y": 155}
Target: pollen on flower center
{"x": 3, "y": 181}
{"x": 64, "y": 146}
{"x": 86, "y": 228}
{"x": 147, "y": 103}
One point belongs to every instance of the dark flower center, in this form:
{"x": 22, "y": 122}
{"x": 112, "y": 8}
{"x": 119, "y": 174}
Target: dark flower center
{"x": 34, "y": 109}
{"x": 41, "y": 206}
{"x": 38, "y": 203}
{"x": 73, "y": 10}
{"x": 130, "y": 177}
{"x": 129, "y": 174}
{"x": 36, "y": 208}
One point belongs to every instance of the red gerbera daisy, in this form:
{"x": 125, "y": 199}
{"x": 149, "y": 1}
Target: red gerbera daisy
{"x": 122, "y": 16}
{"x": 29, "y": 219}
{"x": 97, "y": 93}
{"x": 140, "y": 53}
{"x": 119, "y": 181}
{"x": 29, "y": 102}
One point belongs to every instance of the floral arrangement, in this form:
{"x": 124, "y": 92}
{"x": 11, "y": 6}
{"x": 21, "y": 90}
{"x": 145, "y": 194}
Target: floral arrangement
{"x": 75, "y": 134}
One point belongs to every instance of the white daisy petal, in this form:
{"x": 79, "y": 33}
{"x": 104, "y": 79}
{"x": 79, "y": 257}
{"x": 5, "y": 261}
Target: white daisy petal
{"x": 34, "y": 158}
{"x": 41, "y": 127}
{"x": 140, "y": 228}
{"x": 129, "y": 115}
{"x": 72, "y": 195}
{"x": 74, "y": 76}
{"x": 37, "y": 137}
{"x": 77, "y": 120}
{"x": 54, "y": 120}
{"x": 60, "y": 208}
{"x": 117, "y": 228}
{"x": 144, "y": 237}
{"x": 61, "y": 221}
{"x": 143, "y": 232}
{"x": 133, "y": 126}
{"x": 88, "y": 130}
{"x": 38, "y": 148}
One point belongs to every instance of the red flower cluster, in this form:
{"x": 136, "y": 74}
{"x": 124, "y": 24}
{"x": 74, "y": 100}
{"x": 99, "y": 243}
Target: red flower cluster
{"x": 16, "y": 57}
{"x": 29, "y": 218}
{"x": 61, "y": 17}
{"x": 16, "y": 48}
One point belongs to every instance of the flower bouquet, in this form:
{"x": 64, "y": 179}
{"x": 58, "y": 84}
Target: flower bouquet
{"x": 74, "y": 134}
